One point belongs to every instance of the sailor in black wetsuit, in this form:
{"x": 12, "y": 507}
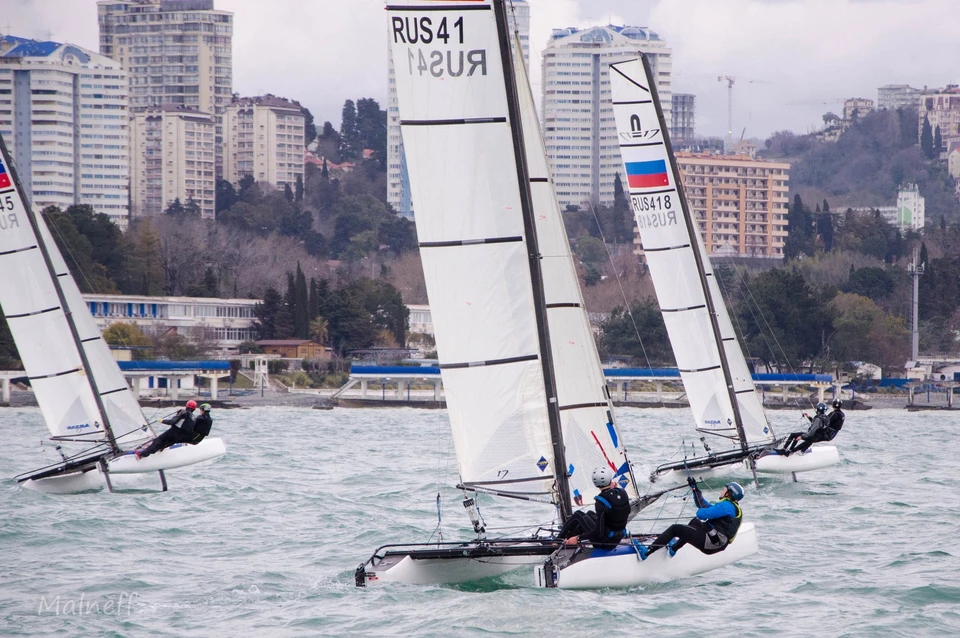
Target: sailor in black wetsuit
{"x": 819, "y": 430}
{"x": 606, "y": 525}
{"x": 181, "y": 431}
{"x": 202, "y": 424}
{"x": 714, "y": 527}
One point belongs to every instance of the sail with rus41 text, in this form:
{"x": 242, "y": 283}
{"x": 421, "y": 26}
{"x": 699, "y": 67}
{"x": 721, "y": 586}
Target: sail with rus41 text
{"x": 82, "y": 395}
{"x": 727, "y": 410}
{"x": 528, "y": 405}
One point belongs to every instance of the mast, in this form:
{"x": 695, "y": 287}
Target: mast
{"x": 698, "y": 258}
{"x": 533, "y": 257}
{"x": 85, "y": 362}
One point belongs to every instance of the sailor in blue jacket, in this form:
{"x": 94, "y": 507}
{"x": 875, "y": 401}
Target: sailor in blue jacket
{"x": 714, "y": 527}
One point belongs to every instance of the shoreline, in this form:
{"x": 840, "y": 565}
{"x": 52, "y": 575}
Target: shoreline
{"x": 321, "y": 400}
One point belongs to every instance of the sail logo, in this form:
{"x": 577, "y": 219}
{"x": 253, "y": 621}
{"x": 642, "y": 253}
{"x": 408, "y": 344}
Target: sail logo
{"x": 542, "y": 464}
{"x": 80, "y": 426}
{"x": 711, "y": 421}
{"x": 637, "y": 132}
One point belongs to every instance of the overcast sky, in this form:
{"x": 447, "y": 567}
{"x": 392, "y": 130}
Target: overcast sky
{"x": 793, "y": 59}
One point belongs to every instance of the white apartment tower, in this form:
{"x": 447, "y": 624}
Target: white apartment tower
{"x": 911, "y": 210}
{"x": 895, "y": 96}
{"x": 175, "y": 52}
{"x": 263, "y": 137}
{"x": 578, "y": 124}
{"x": 173, "y": 158}
{"x": 63, "y": 115}
{"x": 398, "y": 182}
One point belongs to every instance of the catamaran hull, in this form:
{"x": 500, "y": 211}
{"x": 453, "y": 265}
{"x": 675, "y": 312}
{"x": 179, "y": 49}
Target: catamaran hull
{"x": 70, "y": 483}
{"x": 627, "y": 570}
{"x": 175, "y": 456}
{"x": 816, "y": 457}
{"x": 412, "y": 571}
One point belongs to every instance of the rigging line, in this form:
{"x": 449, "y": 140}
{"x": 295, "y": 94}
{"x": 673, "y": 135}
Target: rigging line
{"x": 773, "y": 335}
{"x": 623, "y": 293}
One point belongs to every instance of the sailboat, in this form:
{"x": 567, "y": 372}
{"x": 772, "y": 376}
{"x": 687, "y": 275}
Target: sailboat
{"x": 529, "y": 409}
{"x": 727, "y": 410}
{"x": 83, "y": 397}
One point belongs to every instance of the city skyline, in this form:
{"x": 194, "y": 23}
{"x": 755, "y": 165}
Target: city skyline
{"x": 801, "y": 55}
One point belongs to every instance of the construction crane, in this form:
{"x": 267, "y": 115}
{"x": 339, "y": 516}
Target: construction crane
{"x": 730, "y": 80}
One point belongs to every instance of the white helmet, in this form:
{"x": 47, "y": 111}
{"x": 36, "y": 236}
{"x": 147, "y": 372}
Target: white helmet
{"x": 602, "y": 476}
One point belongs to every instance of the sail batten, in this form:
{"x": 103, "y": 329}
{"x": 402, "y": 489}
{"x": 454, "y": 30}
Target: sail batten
{"x": 715, "y": 375}
{"x": 500, "y": 285}
{"x": 65, "y": 358}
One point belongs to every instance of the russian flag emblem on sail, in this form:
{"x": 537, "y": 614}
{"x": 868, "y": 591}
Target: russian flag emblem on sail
{"x": 4, "y": 177}
{"x": 647, "y": 174}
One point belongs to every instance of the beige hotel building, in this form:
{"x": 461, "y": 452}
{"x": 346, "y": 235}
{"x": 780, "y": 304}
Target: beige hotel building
{"x": 740, "y": 203}
{"x": 263, "y": 136}
{"x": 173, "y": 158}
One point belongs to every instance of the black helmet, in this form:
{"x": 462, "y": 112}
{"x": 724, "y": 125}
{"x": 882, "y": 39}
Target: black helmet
{"x": 821, "y": 408}
{"x": 837, "y": 403}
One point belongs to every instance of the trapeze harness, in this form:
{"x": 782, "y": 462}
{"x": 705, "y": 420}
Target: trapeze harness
{"x": 721, "y": 531}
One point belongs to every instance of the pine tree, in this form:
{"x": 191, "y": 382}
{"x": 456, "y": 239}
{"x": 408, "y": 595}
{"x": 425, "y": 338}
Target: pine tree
{"x": 285, "y": 323}
{"x": 926, "y": 138}
{"x": 266, "y": 314}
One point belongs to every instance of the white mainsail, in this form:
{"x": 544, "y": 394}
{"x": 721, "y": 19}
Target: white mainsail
{"x": 462, "y": 157}
{"x": 64, "y": 386}
{"x": 673, "y": 249}
{"x": 589, "y": 430}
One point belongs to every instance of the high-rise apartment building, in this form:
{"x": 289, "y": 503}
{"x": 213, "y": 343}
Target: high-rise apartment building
{"x": 398, "y": 182}
{"x": 173, "y": 159}
{"x": 578, "y": 125}
{"x": 175, "y": 52}
{"x": 683, "y": 116}
{"x": 63, "y": 115}
{"x": 740, "y": 204}
{"x": 895, "y": 96}
{"x": 941, "y": 107}
{"x": 263, "y": 137}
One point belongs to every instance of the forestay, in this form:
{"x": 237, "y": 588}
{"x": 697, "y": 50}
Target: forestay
{"x": 669, "y": 249}
{"x": 589, "y": 432}
{"x": 41, "y": 330}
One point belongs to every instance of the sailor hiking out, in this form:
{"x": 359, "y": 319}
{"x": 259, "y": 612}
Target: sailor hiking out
{"x": 713, "y": 529}
{"x": 606, "y": 525}
{"x": 181, "y": 431}
{"x": 822, "y": 428}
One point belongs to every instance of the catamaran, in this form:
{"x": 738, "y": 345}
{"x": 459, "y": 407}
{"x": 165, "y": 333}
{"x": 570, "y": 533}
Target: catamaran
{"x": 727, "y": 410}
{"x": 529, "y": 409}
{"x": 84, "y": 399}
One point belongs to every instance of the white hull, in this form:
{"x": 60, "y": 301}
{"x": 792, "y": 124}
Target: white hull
{"x": 450, "y": 571}
{"x": 814, "y": 458}
{"x": 69, "y": 483}
{"x": 172, "y": 457}
{"x": 627, "y": 570}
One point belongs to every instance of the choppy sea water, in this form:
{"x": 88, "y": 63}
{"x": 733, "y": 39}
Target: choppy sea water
{"x": 265, "y": 540}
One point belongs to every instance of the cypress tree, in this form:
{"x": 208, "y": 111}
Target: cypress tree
{"x": 284, "y": 323}
{"x": 926, "y": 138}
{"x": 299, "y": 191}
{"x": 937, "y": 142}
{"x": 314, "y": 307}
{"x": 301, "y": 309}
